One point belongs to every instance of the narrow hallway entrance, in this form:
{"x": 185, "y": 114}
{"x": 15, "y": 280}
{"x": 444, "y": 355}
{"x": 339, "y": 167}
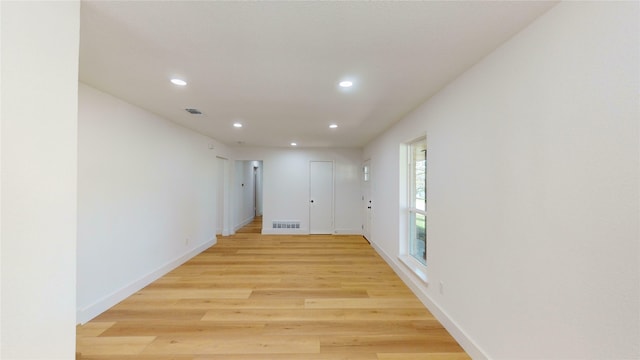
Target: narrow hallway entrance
{"x": 254, "y": 227}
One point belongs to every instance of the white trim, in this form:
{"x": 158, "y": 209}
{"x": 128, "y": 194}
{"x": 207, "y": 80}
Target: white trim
{"x": 417, "y": 268}
{"x": 270, "y": 231}
{"x": 227, "y": 180}
{"x": 86, "y": 314}
{"x": 412, "y": 211}
{"x": 348, "y": 231}
{"x": 418, "y": 287}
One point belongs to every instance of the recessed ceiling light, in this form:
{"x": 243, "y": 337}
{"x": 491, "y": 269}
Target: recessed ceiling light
{"x": 294, "y": 144}
{"x": 178, "y": 82}
{"x": 333, "y": 126}
{"x": 346, "y": 84}
{"x": 238, "y": 125}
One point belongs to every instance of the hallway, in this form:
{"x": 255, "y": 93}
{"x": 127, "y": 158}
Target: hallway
{"x": 254, "y": 227}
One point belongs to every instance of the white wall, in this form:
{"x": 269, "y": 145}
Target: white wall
{"x": 146, "y": 198}
{"x": 533, "y": 220}
{"x": 285, "y": 176}
{"x": 39, "y": 67}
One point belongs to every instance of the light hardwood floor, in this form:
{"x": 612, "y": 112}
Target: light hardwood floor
{"x": 254, "y": 296}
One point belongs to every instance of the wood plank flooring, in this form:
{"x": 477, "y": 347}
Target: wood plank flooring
{"x": 255, "y": 296}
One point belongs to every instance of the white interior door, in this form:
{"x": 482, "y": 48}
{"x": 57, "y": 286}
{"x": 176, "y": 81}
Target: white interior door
{"x": 321, "y": 197}
{"x": 367, "y": 203}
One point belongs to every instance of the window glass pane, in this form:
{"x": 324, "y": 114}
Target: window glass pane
{"x": 418, "y": 200}
{"x": 418, "y": 237}
{"x": 417, "y": 173}
{"x": 420, "y": 181}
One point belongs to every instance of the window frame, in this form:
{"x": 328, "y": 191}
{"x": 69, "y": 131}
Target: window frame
{"x": 409, "y": 174}
{"x": 415, "y": 187}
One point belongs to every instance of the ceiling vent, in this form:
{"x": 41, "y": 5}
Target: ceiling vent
{"x": 194, "y": 111}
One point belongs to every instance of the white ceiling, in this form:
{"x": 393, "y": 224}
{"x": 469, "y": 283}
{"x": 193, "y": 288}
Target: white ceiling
{"x": 275, "y": 66}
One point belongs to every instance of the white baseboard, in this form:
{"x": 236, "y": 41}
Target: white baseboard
{"x": 270, "y": 231}
{"x": 347, "y": 231}
{"x": 86, "y": 314}
{"x": 413, "y": 282}
{"x": 305, "y": 231}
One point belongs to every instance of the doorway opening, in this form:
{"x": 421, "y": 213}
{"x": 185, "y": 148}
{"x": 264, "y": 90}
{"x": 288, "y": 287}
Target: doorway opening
{"x": 248, "y": 193}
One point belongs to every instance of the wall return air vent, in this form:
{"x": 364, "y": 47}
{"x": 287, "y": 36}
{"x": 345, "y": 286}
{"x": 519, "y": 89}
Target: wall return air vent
{"x": 286, "y": 225}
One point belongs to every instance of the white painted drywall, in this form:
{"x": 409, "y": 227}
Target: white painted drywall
{"x": 285, "y": 176}
{"x": 533, "y": 221}
{"x": 146, "y": 198}
{"x": 39, "y": 70}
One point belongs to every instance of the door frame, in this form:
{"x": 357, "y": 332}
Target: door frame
{"x": 224, "y": 182}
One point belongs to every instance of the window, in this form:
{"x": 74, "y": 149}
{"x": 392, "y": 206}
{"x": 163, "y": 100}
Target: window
{"x": 417, "y": 174}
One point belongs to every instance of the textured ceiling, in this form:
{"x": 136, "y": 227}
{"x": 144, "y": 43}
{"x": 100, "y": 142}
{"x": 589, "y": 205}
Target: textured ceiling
{"x": 275, "y": 66}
